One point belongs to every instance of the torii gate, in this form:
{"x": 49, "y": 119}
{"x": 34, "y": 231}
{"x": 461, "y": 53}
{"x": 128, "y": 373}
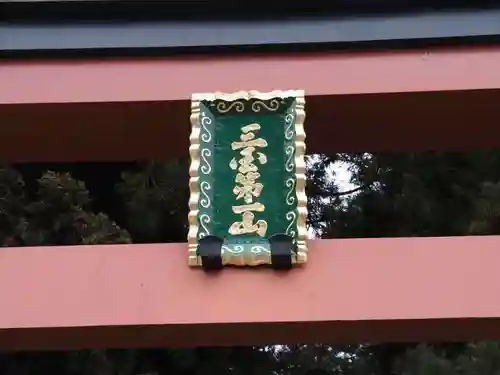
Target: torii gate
{"x": 145, "y": 295}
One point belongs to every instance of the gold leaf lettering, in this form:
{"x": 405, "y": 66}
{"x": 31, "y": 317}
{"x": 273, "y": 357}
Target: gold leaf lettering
{"x": 247, "y": 225}
{"x": 250, "y": 128}
{"x": 247, "y": 187}
{"x": 257, "y": 207}
{"x": 259, "y": 142}
{"x": 233, "y": 164}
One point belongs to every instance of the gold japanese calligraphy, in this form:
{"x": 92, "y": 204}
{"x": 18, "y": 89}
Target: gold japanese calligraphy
{"x": 247, "y": 185}
{"x": 247, "y": 225}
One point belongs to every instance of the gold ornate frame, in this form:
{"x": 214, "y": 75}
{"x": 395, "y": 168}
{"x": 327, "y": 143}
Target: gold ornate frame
{"x": 300, "y": 168}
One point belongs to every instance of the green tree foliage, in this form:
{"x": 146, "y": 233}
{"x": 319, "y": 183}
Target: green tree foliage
{"x": 413, "y": 194}
{"x": 59, "y": 213}
{"x": 155, "y": 198}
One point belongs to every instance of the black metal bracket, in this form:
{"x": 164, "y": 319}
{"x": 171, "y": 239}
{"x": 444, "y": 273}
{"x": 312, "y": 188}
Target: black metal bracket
{"x": 282, "y": 245}
{"x": 282, "y": 250}
{"x": 209, "y": 249}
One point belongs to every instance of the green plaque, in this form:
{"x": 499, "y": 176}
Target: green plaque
{"x": 248, "y": 205}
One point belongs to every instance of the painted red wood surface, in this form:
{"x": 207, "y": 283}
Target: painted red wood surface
{"x": 352, "y": 290}
{"x": 334, "y": 73}
{"x": 447, "y": 120}
{"x": 122, "y": 109}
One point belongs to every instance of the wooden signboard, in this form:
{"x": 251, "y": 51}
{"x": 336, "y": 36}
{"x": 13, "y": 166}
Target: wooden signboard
{"x": 248, "y": 205}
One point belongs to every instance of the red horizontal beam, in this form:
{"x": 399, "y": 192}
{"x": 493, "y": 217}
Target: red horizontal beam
{"x": 453, "y": 120}
{"x": 351, "y": 291}
{"x": 165, "y": 79}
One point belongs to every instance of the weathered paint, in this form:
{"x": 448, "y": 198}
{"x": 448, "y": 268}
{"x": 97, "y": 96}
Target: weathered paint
{"x": 164, "y": 79}
{"x": 408, "y": 286}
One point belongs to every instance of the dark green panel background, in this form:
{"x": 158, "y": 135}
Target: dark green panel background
{"x": 226, "y": 128}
